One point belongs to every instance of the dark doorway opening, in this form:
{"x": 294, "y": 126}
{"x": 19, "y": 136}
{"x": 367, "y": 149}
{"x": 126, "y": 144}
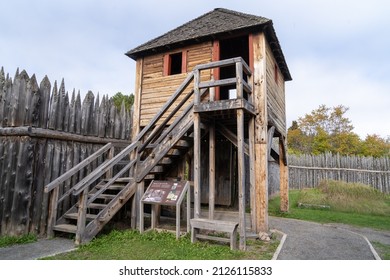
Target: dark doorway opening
{"x": 229, "y": 48}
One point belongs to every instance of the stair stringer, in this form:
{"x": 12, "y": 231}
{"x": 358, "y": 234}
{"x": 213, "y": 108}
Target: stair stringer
{"x": 108, "y": 212}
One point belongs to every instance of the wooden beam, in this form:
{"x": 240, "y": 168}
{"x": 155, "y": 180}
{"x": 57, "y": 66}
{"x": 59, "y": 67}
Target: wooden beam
{"x": 197, "y": 167}
{"x": 229, "y": 135}
{"x": 252, "y": 178}
{"x": 284, "y": 201}
{"x": 261, "y": 122}
{"x": 271, "y": 131}
{"x": 211, "y": 171}
{"x": 58, "y": 135}
{"x": 241, "y": 177}
{"x": 216, "y": 71}
{"x": 137, "y": 98}
{"x": 226, "y": 105}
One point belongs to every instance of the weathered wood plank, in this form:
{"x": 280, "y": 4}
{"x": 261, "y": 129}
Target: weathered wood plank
{"x": 9, "y": 182}
{"x": 23, "y": 187}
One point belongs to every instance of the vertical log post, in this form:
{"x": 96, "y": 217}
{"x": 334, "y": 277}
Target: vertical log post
{"x": 284, "y": 201}
{"x": 211, "y": 171}
{"x": 241, "y": 159}
{"x": 82, "y": 215}
{"x": 52, "y": 216}
{"x": 261, "y": 122}
{"x": 110, "y": 156}
{"x": 197, "y": 148}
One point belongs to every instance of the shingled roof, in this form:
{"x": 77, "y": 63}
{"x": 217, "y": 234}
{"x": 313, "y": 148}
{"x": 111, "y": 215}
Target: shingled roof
{"x": 213, "y": 24}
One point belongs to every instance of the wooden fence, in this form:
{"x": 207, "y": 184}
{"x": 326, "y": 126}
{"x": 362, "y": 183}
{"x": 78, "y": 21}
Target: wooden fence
{"x": 43, "y": 133}
{"x": 309, "y": 170}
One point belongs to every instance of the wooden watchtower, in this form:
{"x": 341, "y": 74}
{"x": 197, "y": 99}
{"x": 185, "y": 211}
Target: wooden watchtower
{"x": 234, "y": 74}
{"x": 209, "y": 105}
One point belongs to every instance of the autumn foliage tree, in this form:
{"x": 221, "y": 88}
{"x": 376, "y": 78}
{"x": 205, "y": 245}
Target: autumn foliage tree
{"x": 327, "y": 129}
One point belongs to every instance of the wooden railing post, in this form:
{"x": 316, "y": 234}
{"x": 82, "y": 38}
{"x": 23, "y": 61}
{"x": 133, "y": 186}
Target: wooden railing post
{"x": 110, "y": 155}
{"x": 82, "y": 215}
{"x": 52, "y": 216}
{"x": 239, "y": 76}
{"x": 196, "y": 86}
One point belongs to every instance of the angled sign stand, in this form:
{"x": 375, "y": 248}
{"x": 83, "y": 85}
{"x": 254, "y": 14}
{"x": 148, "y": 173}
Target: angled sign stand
{"x": 169, "y": 193}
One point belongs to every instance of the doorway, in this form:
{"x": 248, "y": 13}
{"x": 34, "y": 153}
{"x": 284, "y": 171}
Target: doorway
{"x": 230, "y": 48}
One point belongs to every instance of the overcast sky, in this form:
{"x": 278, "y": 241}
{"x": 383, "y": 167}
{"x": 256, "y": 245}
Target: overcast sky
{"x": 338, "y": 51}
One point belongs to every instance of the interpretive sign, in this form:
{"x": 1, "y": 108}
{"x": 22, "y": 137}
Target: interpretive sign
{"x": 164, "y": 192}
{"x": 168, "y": 193}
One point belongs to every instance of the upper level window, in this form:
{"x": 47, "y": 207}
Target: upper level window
{"x": 175, "y": 63}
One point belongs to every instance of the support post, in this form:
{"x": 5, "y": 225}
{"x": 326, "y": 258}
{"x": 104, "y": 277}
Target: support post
{"x": 52, "y": 211}
{"x": 197, "y": 146}
{"x": 284, "y": 200}
{"x": 197, "y": 169}
{"x": 82, "y": 216}
{"x": 261, "y": 123}
{"x": 211, "y": 171}
{"x": 139, "y": 204}
{"x": 252, "y": 172}
{"x": 241, "y": 177}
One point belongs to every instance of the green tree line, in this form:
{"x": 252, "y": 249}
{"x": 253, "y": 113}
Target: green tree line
{"x": 327, "y": 129}
{"x": 120, "y": 98}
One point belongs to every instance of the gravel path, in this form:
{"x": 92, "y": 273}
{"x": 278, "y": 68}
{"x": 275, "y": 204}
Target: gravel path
{"x": 314, "y": 241}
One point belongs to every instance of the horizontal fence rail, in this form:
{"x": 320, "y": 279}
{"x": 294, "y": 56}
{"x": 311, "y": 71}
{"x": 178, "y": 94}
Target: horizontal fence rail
{"x": 307, "y": 171}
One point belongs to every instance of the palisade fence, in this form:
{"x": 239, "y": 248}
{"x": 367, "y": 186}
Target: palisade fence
{"x": 306, "y": 171}
{"x": 43, "y": 133}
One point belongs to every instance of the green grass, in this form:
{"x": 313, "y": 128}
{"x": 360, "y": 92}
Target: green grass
{"x": 153, "y": 245}
{"x": 12, "y": 240}
{"x": 353, "y": 204}
{"x": 382, "y": 249}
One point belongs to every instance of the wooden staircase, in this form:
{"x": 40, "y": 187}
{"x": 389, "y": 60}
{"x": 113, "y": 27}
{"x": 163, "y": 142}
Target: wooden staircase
{"x": 83, "y": 202}
{"x": 105, "y": 190}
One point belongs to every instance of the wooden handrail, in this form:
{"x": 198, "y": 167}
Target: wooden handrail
{"x": 77, "y": 168}
{"x": 111, "y": 181}
{"x": 166, "y": 120}
{"x": 98, "y": 172}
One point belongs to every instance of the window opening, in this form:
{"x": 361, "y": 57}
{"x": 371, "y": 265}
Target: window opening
{"x": 175, "y": 61}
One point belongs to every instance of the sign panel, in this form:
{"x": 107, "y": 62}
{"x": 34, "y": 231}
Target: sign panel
{"x": 164, "y": 192}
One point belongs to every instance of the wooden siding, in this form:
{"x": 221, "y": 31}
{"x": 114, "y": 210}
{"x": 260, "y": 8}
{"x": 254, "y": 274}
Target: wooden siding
{"x": 275, "y": 94}
{"x": 157, "y": 88}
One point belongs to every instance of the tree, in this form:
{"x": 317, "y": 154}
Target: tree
{"x": 375, "y": 146}
{"x": 119, "y": 98}
{"x": 329, "y": 120}
{"x": 329, "y": 130}
{"x": 325, "y": 129}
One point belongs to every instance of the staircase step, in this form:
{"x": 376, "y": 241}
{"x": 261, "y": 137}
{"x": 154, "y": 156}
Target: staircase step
{"x": 74, "y": 216}
{"x": 166, "y": 161}
{"x": 65, "y": 228}
{"x": 114, "y": 186}
{"x": 97, "y": 206}
{"x": 157, "y": 169}
{"x": 103, "y": 196}
{"x": 173, "y": 153}
{"x": 121, "y": 180}
{"x": 182, "y": 144}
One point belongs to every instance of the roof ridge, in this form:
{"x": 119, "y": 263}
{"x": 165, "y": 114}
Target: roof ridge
{"x": 237, "y": 13}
